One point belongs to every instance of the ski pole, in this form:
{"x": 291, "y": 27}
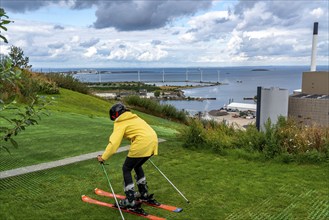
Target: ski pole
{"x": 169, "y": 181}
{"x": 115, "y": 197}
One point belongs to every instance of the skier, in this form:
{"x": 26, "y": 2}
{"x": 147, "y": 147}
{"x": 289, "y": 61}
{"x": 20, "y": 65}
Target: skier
{"x": 144, "y": 144}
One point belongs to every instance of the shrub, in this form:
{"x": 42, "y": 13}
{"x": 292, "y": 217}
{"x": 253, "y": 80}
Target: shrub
{"x": 155, "y": 108}
{"x": 286, "y": 141}
{"x": 250, "y": 139}
{"x": 296, "y": 138}
{"x": 67, "y": 81}
{"x": 157, "y": 93}
{"x": 218, "y": 141}
{"x": 9, "y": 80}
{"x": 194, "y": 136}
{"x": 271, "y": 147}
{"x": 216, "y": 137}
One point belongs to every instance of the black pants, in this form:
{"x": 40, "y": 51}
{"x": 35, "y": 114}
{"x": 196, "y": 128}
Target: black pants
{"x": 130, "y": 164}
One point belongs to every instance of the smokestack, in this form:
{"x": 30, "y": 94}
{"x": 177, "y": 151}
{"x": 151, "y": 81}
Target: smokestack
{"x": 314, "y": 44}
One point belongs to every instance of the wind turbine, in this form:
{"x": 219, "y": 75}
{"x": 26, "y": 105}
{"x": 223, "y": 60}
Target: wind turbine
{"x": 186, "y": 79}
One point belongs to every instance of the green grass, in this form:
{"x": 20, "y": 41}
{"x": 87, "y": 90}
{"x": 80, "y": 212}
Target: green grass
{"x": 70, "y": 101}
{"x": 66, "y": 133}
{"x": 219, "y": 187}
{"x": 63, "y": 135}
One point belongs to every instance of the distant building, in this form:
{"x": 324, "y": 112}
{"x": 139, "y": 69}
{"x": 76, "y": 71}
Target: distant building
{"x": 311, "y": 105}
{"x": 143, "y": 92}
{"x": 242, "y": 106}
{"x": 271, "y": 103}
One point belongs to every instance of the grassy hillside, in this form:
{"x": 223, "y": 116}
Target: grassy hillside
{"x": 74, "y": 102}
{"x": 77, "y": 124}
{"x": 219, "y": 187}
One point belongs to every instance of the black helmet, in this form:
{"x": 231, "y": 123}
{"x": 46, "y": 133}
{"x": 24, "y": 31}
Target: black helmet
{"x": 116, "y": 110}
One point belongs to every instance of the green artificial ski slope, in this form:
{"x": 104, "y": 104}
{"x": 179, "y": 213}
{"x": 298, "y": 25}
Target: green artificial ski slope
{"x": 219, "y": 187}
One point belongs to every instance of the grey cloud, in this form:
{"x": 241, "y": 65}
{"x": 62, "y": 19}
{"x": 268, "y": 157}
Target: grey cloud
{"x": 104, "y": 52}
{"x": 82, "y": 4}
{"x": 38, "y": 52}
{"x": 56, "y": 45}
{"x": 289, "y": 13}
{"x": 156, "y": 42}
{"x": 143, "y": 15}
{"x": 221, "y": 20}
{"x": 192, "y": 30}
{"x": 262, "y": 48}
{"x": 273, "y": 46}
{"x": 21, "y": 6}
{"x": 125, "y": 15}
{"x": 58, "y": 27}
{"x": 90, "y": 43}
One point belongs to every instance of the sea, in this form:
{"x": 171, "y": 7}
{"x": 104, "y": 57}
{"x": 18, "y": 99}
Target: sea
{"x": 237, "y": 84}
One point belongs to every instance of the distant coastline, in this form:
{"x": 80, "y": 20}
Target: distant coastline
{"x": 260, "y": 70}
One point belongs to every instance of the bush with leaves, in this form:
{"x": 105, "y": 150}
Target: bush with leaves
{"x": 33, "y": 84}
{"x": 16, "y": 55}
{"x": 9, "y": 81}
{"x": 3, "y": 21}
{"x": 67, "y": 81}
{"x": 155, "y": 108}
{"x": 194, "y": 136}
{"x": 272, "y": 146}
{"x": 286, "y": 140}
{"x": 297, "y": 138}
{"x": 14, "y": 117}
{"x": 250, "y": 139}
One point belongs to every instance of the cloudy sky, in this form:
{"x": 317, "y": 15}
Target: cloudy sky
{"x": 166, "y": 33}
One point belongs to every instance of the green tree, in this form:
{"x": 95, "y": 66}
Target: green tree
{"x": 18, "y": 59}
{"x": 157, "y": 93}
{"x": 3, "y": 21}
{"x": 14, "y": 118}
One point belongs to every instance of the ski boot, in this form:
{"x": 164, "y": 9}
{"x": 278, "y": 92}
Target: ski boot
{"x": 143, "y": 193}
{"x": 129, "y": 203}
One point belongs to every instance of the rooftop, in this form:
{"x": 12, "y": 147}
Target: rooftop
{"x": 306, "y": 96}
{"x": 242, "y": 106}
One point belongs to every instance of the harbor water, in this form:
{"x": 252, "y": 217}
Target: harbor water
{"x": 237, "y": 84}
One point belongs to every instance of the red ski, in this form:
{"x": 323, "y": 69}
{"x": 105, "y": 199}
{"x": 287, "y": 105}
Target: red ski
{"x": 162, "y": 206}
{"x": 109, "y": 205}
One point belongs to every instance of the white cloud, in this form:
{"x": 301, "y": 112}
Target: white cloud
{"x": 209, "y": 26}
{"x": 58, "y": 52}
{"x": 235, "y": 41}
{"x": 121, "y": 50}
{"x": 270, "y": 32}
{"x": 253, "y": 31}
{"x": 91, "y": 51}
{"x": 318, "y": 12}
{"x": 75, "y": 39}
{"x": 188, "y": 37}
{"x": 152, "y": 54}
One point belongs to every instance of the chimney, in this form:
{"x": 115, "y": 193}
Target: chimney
{"x": 314, "y": 44}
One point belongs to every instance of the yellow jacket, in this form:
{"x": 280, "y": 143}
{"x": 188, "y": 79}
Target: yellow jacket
{"x": 144, "y": 140}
